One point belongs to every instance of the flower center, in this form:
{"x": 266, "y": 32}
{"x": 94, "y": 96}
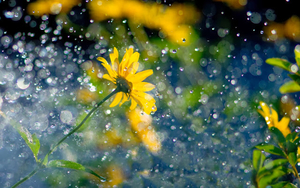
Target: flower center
{"x": 124, "y": 85}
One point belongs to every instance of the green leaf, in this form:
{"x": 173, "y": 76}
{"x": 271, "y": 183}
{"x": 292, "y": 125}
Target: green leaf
{"x": 290, "y": 185}
{"x": 297, "y": 54}
{"x": 291, "y": 137}
{"x": 282, "y": 63}
{"x": 295, "y": 77}
{"x": 278, "y": 134}
{"x": 291, "y": 147}
{"x": 72, "y": 165}
{"x": 292, "y": 158}
{"x": 31, "y": 140}
{"x": 297, "y": 140}
{"x": 289, "y": 87}
{"x": 280, "y": 184}
{"x": 270, "y": 166}
{"x": 273, "y": 176}
{"x": 258, "y": 159}
{"x": 270, "y": 149}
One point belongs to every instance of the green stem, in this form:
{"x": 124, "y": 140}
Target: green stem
{"x": 26, "y": 178}
{"x": 82, "y": 122}
{"x": 296, "y": 172}
{"x": 65, "y": 137}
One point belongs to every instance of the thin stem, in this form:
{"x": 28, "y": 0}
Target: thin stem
{"x": 83, "y": 121}
{"x": 65, "y": 137}
{"x": 26, "y": 178}
{"x": 296, "y": 172}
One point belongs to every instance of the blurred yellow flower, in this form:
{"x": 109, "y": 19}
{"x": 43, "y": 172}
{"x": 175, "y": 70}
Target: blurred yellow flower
{"x": 171, "y": 21}
{"x": 290, "y": 29}
{"x": 130, "y": 83}
{"x": 235, "y": 4}
{"x": 271, "y": 118}
{"x": 42, "y": 7}
{"x": 141, "y": 124}
{"x": 114, "y": 137}
{"x": 115, "y": 176}
{"x": 112, "y": 172}
{"x": 85, "y": 96}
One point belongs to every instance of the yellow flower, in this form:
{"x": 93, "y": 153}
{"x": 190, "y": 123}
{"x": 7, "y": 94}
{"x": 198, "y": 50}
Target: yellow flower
{"x": 235, "y": 4}
{"x": 271, "y": 118}
{"x": 42, "y": 7}
{"x": 141, "y": 124}
{"x": 130, "y": 83}
{"x": 164, "y": 18}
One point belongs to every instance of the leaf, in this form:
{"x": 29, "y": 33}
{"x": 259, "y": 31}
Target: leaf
{"x": 270, "y": 149}
{"x": 31, "y": 140}
{"x": 280, "y": 184}
{"x": 282, "y": 63}
{"x": 72, "y": 165}
{"x": 291, "y": 137}
{"x": 289, "y": 87}
{"x": 270, "y": 166}
{"x": 297, "y": 54}
{"x": 295, "y": 77}
{"x": 258, "y": 159}
{"x": 290, "y": 185}
{"x": 273, "y": 176}
{"x": 292, "y": 158}
{"x": 297, "y": 140}
{"x": 278, "y": 134}
{"x": 291, "y": 147}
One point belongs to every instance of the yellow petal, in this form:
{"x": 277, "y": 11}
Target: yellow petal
{"x": 132, "y": 70}
{"x": 107, "y": 77}
{"x": 134, "y": 58}
{"x": 107, "y": 67}
{"x": 265, "y": 109}
{"x": 274, "y": 116}
{"x": 116, "y": 100}
{"x": 138, "y": 77}
{"x": 124, "y": 63}
{"x": 146, "y": 101}
{"x": 143, "y": 86}
{"x": 261, "y": 112}
{"x": 114, "y": 58}
{"x": 133, "y": 104}
{"x": 284, "y": 123}
{"x": 125, "y": 98}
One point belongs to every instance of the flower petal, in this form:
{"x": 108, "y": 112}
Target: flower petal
{"x": 125, "y": 98}
{"x": 138, "y": 77}
{"x": 143, "y": 86}
{"x": 284, "y": 123}
{"x": 133, "y": 104}
{"x": 124, "y": 63}
{"x": 117, "y": 99}
{"x": 114, "y": 58}
{"x": 274, "y": 116}
{"x": 265, "y": 108}
{"x": 132, "y": 70}
{"x": 134, "y": 58}
{"x": 109, "y": 78}
{"x": 107, "y": 67}
{"x": 146, "y": 101}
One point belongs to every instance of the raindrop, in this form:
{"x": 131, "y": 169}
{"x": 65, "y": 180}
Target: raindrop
{"x": 21, "y": 83}
{"x": 66, "y": 117}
